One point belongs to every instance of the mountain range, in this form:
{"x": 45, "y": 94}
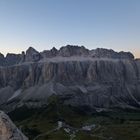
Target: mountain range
{"x": 99, "y": 79}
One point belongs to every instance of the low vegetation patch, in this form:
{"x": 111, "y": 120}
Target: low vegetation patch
{"x": 119, "y": 125}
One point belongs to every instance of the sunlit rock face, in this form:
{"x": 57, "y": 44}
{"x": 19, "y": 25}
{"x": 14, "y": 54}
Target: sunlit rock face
{"x": 8, "y": 131}
{"x": 98, "y": 78}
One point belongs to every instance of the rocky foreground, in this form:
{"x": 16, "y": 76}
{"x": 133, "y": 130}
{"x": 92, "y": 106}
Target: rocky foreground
{"x": 99, "y": 79}
{"x": 8, "y": 131}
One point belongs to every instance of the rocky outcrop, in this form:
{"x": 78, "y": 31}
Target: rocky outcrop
{"x": 49, "y": 53}
{"x": 32, "y": 55}
{"x": 81, "y": 79}
{"x": 70, "y": 50}
{"x": 8, "y": 131}
{"x": 2, "y": 60}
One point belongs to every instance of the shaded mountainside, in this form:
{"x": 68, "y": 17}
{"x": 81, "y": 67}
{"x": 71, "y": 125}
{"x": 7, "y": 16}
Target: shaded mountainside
{"x": 98, "y": 78}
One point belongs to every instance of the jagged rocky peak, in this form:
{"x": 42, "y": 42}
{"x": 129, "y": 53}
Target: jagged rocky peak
{"x": 109, "y": 53}
{"x": 12, "y": 59}
{"x": 66, "y": 51}
{"x": 2, "y": 60}
{"x": 126, "y": 55}
{"x": 32, "y": 55}
{"x": 49, "y": 53}
{"x": 54, "y": 50}
{"x": 71, "y": 50}
{"x": 31, "y": 50}
{"x": 1, "y": 56}
{"x": 8, "y": 131}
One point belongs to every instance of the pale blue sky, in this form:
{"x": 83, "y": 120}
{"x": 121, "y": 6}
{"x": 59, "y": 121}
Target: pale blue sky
{"x": 43, "y": 24}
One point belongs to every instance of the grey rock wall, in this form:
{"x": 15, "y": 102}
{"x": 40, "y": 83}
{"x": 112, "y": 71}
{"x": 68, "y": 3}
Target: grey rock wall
{"x": 97, "y": 82}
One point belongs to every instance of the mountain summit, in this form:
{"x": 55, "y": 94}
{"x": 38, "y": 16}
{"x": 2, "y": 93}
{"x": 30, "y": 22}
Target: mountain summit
{"x": 33, "y": 55}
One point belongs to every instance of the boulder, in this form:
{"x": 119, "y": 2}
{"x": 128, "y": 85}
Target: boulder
{"x": 8, "y": 130}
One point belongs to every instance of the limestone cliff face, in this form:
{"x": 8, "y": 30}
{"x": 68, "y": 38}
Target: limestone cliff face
{"x": 8, "y": 131}
{"x": 80, "y": 79}
{"x": 96, "y": 83}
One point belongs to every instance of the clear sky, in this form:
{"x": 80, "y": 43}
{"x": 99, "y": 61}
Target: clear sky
{"x": 43, "y": 24}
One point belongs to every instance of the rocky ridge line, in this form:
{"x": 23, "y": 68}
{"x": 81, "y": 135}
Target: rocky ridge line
{"x": 32, "y": 55}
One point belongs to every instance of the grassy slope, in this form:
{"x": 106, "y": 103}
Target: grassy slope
{"x": 118, "y": 126}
